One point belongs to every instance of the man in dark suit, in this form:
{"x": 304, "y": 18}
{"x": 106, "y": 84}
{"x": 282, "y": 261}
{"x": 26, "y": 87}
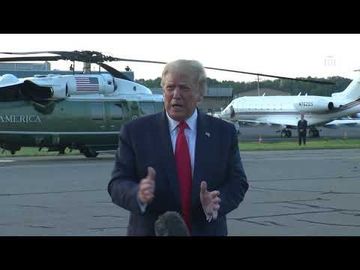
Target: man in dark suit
{"x": 179, "y": 160}
{"x": 302, "y": 127}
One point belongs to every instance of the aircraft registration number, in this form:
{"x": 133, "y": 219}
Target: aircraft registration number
{"x": 306, "y": 104}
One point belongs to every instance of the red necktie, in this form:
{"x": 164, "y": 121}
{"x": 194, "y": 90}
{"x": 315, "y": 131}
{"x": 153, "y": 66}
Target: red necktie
{"x": 183, "y": 165}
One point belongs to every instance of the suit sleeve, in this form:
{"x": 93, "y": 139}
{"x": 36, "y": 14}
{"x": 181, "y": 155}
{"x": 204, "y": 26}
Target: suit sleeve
{"x": 123, "y": 186}
{"x": 232, "y": 192}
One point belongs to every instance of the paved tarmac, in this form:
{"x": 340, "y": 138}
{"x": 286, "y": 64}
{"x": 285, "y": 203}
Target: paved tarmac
{"x": 272, "y": 133}
{"x": 292, "y": 193}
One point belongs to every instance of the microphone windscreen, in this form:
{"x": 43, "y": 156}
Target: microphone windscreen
{"x": 171, "y": 224}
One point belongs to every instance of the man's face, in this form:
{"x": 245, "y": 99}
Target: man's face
{"x": 181, "y": 95}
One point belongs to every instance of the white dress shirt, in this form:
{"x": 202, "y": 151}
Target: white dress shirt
{"x": 190, "y": 134}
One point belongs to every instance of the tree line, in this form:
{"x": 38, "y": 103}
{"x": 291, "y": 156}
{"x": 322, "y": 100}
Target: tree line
{"x": 290, "y": 86}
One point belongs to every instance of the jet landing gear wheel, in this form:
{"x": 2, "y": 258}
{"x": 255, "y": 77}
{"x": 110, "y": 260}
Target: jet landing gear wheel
{"x": 88, "y": 152}
{"x": 285, "y": 133}
{"x": 314, "y": 133}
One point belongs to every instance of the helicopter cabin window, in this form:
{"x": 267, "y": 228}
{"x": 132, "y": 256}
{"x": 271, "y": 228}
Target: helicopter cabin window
{"x": 11, "y": 93}
{"x": 97, "y": 111}
{"x": 147, "y": 107}
{"x": 116, "y": 112}
{"x": 159, "y": 106}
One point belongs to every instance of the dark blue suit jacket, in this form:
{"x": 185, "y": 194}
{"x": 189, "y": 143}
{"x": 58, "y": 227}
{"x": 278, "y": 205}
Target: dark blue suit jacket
{"x": 146, "y": 142}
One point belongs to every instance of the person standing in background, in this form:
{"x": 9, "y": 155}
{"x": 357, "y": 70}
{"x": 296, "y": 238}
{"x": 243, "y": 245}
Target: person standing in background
{"x": 302, "y": 128}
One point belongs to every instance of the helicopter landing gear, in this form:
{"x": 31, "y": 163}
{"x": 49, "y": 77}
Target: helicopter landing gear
{"x": 285, "y": 133}
{"x": 10, "y": 147}
{"x": 62, "y": 150}
{"x": 314, "y": 133}
{"x": 88, "y": 152}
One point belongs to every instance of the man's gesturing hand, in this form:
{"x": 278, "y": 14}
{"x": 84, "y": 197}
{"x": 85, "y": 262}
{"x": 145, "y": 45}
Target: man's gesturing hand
{"x": 147, "y": 186}
{"x": 210, "y": 201}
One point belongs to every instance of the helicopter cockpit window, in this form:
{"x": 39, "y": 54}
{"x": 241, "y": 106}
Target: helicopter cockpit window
{"x": 147, "y": 107}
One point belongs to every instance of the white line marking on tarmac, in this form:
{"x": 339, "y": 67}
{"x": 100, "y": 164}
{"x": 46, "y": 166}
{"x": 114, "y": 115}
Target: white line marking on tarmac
{"x": 6, "y": 160}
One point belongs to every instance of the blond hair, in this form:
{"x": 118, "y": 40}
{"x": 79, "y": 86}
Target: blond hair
{"x": 188, "y": 67}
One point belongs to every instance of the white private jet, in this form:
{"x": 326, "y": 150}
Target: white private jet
{"x": 285, "y": 111}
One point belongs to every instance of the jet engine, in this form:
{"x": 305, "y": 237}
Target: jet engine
{"x": 334, "y": 105}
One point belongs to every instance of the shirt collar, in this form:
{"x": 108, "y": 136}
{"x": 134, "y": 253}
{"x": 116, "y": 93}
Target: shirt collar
{"x": 191, "y": 121}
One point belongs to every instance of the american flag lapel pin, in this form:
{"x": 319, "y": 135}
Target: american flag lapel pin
{"x": 207, "y": 134}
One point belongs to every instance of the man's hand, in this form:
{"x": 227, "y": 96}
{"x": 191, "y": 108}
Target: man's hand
{"x": 147, "y": 187}
{"x": 210, "y": 201}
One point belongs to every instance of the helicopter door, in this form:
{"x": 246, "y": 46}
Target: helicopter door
{"x": 115, "y": 114}
{"x": 97, "y": 116}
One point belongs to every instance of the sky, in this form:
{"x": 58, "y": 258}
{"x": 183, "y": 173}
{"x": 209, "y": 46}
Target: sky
{"x": 289, "y": 55}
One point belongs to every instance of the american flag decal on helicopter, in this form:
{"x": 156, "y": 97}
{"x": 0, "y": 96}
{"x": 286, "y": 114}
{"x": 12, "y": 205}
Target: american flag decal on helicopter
{"x": 87, "y": 83}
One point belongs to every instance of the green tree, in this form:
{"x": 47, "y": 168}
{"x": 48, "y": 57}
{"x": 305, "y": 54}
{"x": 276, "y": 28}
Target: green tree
{"x": 290, "y": 86}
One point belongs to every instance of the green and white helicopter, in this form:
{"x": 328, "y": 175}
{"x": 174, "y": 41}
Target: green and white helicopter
{"x": 79, "y": 111}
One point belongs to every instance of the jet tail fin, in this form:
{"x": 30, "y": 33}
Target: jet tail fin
{"x": 351, "y": 92}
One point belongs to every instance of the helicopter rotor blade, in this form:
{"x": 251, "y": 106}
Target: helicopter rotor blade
{"x": 114, "y": 72}
{"x": 271, "y": 76}
{"x": 97, "y": 57}
{"x": 30, "y": 58}
{"x": 139, "y": 61}
{"x": 92, "y": 56}
{"x": 21, "y": 53}
{"x": 232, "y": 70}
{"x": 80, "y": 56}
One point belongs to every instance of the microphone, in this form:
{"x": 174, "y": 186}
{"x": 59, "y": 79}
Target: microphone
{"x": 171, "y": 224}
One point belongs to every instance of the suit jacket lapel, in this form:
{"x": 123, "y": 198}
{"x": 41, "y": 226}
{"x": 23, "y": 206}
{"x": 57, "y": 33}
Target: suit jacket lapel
{"x": 167, "y": 156}
{"x": 201, "y": 149}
